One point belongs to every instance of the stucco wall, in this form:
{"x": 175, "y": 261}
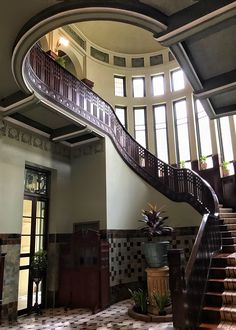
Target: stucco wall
{"x": 127, "y": 194}
{"x": 88, "y": 184}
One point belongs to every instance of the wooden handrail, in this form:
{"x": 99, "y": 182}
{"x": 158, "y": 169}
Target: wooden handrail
{"x": 188, "y": 287}
{"x": 50, "y": 81}
{"x": 207, "y": 244}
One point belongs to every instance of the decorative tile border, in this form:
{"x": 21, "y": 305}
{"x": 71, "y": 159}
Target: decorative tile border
{"x": 88, "y": 149}
{"x": 34, "y": 140}
{"x": 9, "y": 239}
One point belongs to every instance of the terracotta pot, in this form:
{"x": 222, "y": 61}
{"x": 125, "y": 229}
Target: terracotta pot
{"x": 203, "y": 165}
{"x": 225, "y": 172}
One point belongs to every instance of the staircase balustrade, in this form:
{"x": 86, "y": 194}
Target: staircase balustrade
{"x": 50, "y": 81}
{"x": 188, "y": 285}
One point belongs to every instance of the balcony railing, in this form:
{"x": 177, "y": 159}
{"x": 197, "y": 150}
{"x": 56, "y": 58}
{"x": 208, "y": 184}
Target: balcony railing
{"x": 50, "y": 81}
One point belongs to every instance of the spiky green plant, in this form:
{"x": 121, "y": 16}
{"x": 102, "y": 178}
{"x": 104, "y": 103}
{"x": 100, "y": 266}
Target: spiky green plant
{"x": 161, "y": 300}
{"x": 140, "y": 299}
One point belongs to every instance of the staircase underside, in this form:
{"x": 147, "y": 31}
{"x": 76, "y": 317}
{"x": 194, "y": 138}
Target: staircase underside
{"x": 220, "y": 300}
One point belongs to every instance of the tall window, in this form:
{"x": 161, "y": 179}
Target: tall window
{"x": 33, "y": 235}
{"x": 226, "y": 142}
{"x": 203, "y": 133}
{"x": 182, "y": 134}
{"x": 138, "y": 87}
{"x": 158, "y": 84}
{"x": 120, "y": 88}
{"x": 121, "y": 114}
{"x": 161, "y": 132}
{"x": 140, "y": 126}
{"x": 177, "y": 80}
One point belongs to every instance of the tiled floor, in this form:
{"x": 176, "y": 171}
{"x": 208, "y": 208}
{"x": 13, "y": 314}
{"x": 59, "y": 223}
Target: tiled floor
{"x": 113, "y": 318}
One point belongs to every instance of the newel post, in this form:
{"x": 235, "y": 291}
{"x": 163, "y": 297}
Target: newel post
{"x": 177, "y": 286}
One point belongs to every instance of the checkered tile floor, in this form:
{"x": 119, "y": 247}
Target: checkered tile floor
{"x": 113, "y": 318}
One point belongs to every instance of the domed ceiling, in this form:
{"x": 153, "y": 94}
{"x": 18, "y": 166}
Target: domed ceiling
{"x": 119, "y": 37}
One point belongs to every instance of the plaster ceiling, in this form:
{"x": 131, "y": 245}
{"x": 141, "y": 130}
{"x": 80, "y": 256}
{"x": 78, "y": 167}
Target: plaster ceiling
{"x": 201, "y": 35}
{"x": 126, "y": 38}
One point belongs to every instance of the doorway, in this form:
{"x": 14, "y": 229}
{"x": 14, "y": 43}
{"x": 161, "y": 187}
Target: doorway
{"x": 33, "y": 236}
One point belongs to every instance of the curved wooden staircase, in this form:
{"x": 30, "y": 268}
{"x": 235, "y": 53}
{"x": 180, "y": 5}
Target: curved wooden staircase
{"x": 64, "y": 93}
{"x": 219, "y": 311}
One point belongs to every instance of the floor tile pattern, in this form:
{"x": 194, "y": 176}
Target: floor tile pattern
{"x": 113, "y": 318}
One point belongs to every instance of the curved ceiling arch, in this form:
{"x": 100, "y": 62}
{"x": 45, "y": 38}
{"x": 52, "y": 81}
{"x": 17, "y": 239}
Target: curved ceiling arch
{"x": 59, "y": 15}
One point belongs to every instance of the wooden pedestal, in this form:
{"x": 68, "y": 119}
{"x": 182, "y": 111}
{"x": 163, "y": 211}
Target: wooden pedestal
{"x": 157, "y": 282}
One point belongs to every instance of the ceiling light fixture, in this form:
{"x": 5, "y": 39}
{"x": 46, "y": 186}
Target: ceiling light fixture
{"x": 61, "y": 42}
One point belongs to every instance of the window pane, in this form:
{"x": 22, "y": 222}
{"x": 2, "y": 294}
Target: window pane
{"x": 27, "y": 208}
{"x": 26, "y": 226}
{"x": 23, "y": 289}
{"x": 38, "y": 243}
{"x": 226, "y": 139}
{"x": 24, "y": 261}
{"x": 177, "y": 80}
{"x": 39, "y": 228}
{"x": 35, "y": 182}
{"x": 39, "y": 294}
{"x": 40, "y": 212}
{"x": 158, "y": 85}
{"x": 140, "y": 126}
{"x": 119, "y": 86}
{"x": 204, "y": 130}
{"x": 121, "y": 114}
{"x": 181, "y": 122}
{"x": 25, "y": 244}
{"x": 161, "y": 132}
{"x": 138, "y": 87}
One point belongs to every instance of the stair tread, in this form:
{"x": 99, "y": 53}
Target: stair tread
{"x": 224, "y": 268}
{"x": 209, "y": 325}
{"x": 230, "y": 308}
{"x": 225, "y": 255}
{"x": 214, "y": 293}
{"x": 223, "y": 325}
{"x": 220, "y": 280}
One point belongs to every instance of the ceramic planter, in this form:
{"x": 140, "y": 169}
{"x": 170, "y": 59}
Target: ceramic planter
{"x": 156, "y": 253}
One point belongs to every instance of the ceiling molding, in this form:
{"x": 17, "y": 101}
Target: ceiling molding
{"x": 70, "y": 134}
{"x": 183, "y": 59}
{"x": 200, "y": 24}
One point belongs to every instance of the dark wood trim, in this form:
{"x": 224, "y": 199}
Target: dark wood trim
{"x": 2, "y": 263}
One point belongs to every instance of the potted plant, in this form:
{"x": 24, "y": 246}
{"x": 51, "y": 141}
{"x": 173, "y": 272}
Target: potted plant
{"x": 225, "y": 169}
{"x": 140, "y": 299}
{"x": 182, "y": 164}
{"x": 162, "y": 301}
{"x": 38, "y": 267}
{"x": 155, "y": 252}
{"x": 203, "y": 163}
{"x": 61, "y": 61}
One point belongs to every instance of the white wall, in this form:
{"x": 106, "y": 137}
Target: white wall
{"x": 127, "y": 194}
{"x": 88, "y": 185}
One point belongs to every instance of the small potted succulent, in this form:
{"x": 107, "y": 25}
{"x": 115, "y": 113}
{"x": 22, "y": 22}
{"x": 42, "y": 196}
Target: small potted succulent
{"x": 203, "y": 163}
{"x": 155, "y": 252}
{"x": 182, "y": 164}
{"x": 225, "y": 169}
